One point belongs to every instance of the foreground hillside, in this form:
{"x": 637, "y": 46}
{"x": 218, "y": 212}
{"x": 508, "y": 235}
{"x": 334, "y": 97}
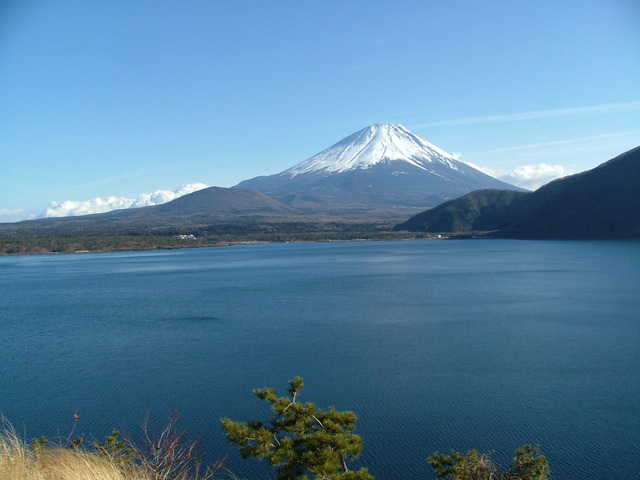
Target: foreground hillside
{"x": 170, "y": 458}
{"x": 18, "y": 463}
{"x": 602, "y": 203}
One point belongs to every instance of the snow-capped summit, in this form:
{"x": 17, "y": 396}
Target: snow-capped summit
{"x": 374, "y": 144}
{"x": 379, "y": 168}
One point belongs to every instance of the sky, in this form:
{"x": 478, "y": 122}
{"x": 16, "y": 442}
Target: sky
{"x": 113, "y": 103}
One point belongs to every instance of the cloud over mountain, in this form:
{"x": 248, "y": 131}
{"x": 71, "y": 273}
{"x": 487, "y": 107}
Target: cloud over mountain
{"x": 530, "y": 177}
{"x": 68, "y": 208}
{"x": 14, "y": 215}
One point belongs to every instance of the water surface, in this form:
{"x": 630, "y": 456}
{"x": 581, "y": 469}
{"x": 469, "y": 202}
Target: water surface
{"x": 437, "y": 345}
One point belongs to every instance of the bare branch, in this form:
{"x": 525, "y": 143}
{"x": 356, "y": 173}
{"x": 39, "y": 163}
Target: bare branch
{"x": 316, "y": 419}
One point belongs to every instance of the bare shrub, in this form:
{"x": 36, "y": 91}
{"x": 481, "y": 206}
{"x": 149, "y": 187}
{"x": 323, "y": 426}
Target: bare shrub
{"x": 169, "y": 455}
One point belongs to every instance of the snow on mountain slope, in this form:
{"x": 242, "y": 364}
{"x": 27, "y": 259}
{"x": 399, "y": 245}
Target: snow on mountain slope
{"x": 374, "y": 144}
{"x": 381, "y": 169}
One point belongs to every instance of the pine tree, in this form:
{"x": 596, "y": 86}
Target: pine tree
{"x": 527, "y": 464}
{"x": 301, "y": 439}
{"x": 116, "y": 448}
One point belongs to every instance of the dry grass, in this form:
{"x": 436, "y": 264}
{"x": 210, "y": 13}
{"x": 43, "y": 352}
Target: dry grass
{"x": 19, "y": 461}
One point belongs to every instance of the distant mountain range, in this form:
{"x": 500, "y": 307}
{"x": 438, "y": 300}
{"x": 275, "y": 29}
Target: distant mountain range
{"x": 199, "y": 209}
{"x": 381, "y": 168}
{"x": 381, "y": 173}
{"x": 601, "y": 203}
{"x": 378, "y": 175}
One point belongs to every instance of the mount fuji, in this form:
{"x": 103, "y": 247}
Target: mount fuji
{"x": 381, "y": 168}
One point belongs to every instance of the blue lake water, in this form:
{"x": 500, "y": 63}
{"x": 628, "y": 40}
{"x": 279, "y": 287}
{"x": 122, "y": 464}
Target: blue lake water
{"x": 436, "y": 345}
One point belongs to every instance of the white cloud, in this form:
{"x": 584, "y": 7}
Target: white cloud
{"x": 535, "y": 169}
{"x": 106, "y": 204}
{"x": 526, "y": 176}
{"x": 15, "y": 215}
{"x": 164, "y": 196}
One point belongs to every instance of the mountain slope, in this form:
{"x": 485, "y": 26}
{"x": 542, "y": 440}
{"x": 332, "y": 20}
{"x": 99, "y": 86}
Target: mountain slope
{"x": 601, "y": 203}
{"x": 204, "y": 207}
{"x": 598, "y": 204}
{"x": 476, "y": 211}
{"x": 373, "y": 145}
{"x": 378, "y": 167}
{"x": 216, "y": 202}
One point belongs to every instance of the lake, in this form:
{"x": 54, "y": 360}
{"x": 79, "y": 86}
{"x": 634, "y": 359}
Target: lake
{"x": 436, "y": 345}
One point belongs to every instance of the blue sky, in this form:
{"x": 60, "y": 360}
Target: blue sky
{"x": 121, "y": 98}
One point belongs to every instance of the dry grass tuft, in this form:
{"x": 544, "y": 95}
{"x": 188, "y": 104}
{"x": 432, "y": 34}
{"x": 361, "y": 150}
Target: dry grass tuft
{"x": 19, "y": 461}
{"x": 62, "y": 464}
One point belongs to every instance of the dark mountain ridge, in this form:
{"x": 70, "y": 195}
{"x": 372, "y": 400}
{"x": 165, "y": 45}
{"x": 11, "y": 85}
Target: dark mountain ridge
{"x": 601, "y": 203}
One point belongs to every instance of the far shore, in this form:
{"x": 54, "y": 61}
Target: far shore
{"x": 105, "y": 244}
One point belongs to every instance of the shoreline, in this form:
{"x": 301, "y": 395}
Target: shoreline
{"x": 57, "y": 245}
